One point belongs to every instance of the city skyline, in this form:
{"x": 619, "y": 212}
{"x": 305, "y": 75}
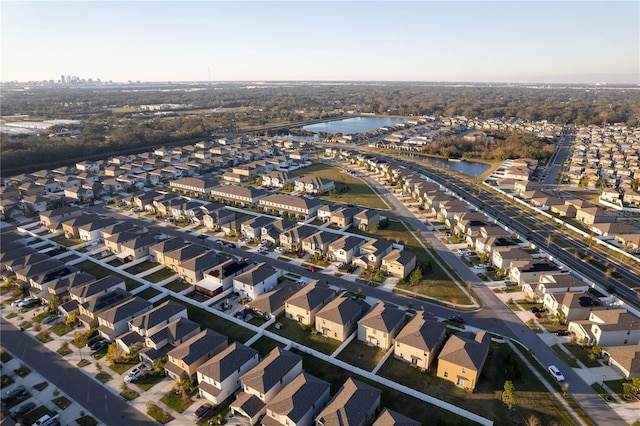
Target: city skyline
{"x": 513, "y": 42}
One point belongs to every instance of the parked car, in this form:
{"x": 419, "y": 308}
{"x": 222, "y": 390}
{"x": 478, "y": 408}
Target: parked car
{"x": 562, "y": 332}
{"x": 457, "y": 318}
{"x": 534, "y": 309}
{"x": 556, "y": 373}
{"x": 202, "y": 410}
{"x": 97, "y": 345}
{"x": 94, "y": 340}
{"x": 136, "y": 373}
{"x": 510, "y": 283}
{"x": 48, "y": 419}
{"x": 220, "y": 243}
{"x": 13, "y": 393}
{"x": 339, "y": 265}
{"x": 25, "y": 303}
{"x": 231, "y": 245}
{"x": 49, "y": 319}
{"x": 312, "y": 269}
{"x": 538, "y": 315}
{"x": 17, "y": 301}
{"x": 23, "y": 409}
{"x": 202, "y": 236}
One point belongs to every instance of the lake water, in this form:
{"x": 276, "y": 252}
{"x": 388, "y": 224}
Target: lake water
{"x": 348, "y": 126}
{"x": 469, "y": 169}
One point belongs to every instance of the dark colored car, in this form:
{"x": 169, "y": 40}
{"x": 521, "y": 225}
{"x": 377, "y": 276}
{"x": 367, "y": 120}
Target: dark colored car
{"x": 96, "y": 346}
{"x": 95, "y": 339}
{"x": 457, "y": 318}
{"x": 562, "y": 333}
{"x": 202, "y": 410}
{"x": 15, "y": 392}
{"x": 231, "y": 245}
{"x": 24, "y": 408}
{"x": 534, "y": 309}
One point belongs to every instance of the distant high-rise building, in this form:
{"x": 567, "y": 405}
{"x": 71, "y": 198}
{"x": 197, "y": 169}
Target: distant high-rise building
{"x": 62, "y": 79}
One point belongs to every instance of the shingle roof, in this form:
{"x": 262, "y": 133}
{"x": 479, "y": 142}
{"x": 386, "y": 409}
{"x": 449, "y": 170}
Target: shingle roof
{"x": 467, "y": 350}
{"x": 124, "y": 310}
{"x": 157, "y": 315}
{"x": 270, "y": 370}
{"x": 384, "y": 317}
{"x": 350, "y": 405}
{"x": 226, "y": 362}
{"x": 197, "y": 346}
{"x": 422, "y": 332}
{"x": 299, "y": 396}
{"x": 311, "y": 296}
{"x": 248, "y": 403}
{"x": 343, "y": 308}
{"x": 256, "y": 275}
{"x": 174, "y": 331}
{"x": 96, "y": 287}
{"x": 273, "y": 300}
{"x": 391, "y": 418}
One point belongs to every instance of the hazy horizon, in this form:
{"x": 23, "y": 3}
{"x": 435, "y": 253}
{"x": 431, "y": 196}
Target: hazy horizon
{"x": 467, "y": 42}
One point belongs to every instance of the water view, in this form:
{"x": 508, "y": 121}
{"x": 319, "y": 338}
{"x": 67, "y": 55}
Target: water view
{"x": 348, "y": 126}
{"x": 469, "y": 169}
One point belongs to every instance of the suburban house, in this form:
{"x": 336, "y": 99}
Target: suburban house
{"x": 591, "y": 215}
{"x": 70, "y": 227}
{"x": 159, "y": 342}
{"x": 344, "y": 249}
{"x": 174, "y": 258}
{"x": 137, "y": 248}
{"x": 298, "y": 403}
{"x": 158, "y": 250}
{"x": 318, "y": 243}
{"x": 252, "y": 228}
{"x": 192, "y": 185}
{"x": 284, "y": 203}
{"x": 192, "y": 270}
{"x": 276, "y": 179}
{"x": 97, "y": 288}
{"x": 554, "y": 283}
{"x": 572, "y": 305}
{"x": 303, "y": 306}
{"x": 113, "y": 322}
{"x": 624, "y": 358}
{"x": 355, "y": 404}
{"x": 271, "y": 303}
{"x": 399, "y": 263}
{"x": 52, "y": 219}
{"x": 531, "y": 271}
{"x": 92, "y": 230}
{"x": 381, "y": 325}
{"x": 502, "y": 257}
{"x": 391, "y": 418}
{"x": 153, "y": 320}
{"x": 292, "y": 239}
{"x": 339, "y": 318}
{"x": 420, "y": 341}
{"x": 184, "y": 360}
{"x": 313, "y": 185}
{"x": 366, "y": 219}
{"x": 88, "y": 311}
{"x": 114, "y": 242}
{"x": 264, "y": 381}
{"x": 256, "y": 281}
{"x": 611, "y": 327}
{"x": 462, "y": 358}
{"x": 219, "y": 377}
{"x": 272, "y": 232}
{"x": 372, "y": 252}
{"x": 243, "y": 195}
{"x": 219, "y": 278}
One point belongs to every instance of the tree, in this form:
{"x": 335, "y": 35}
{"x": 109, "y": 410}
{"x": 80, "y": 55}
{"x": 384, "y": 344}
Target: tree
{"x": 114, "y": 353}
{"x": 72, "y": 319}
{"x": 80, "y": 337}
{"x": 532, "y": 421}
{"x": 158, "y": 367}
{"x": 185, "y": 387}
{"x": 54, "y": 302}
{"x": 508, "y": 395}
{"x": 416, "y": 276}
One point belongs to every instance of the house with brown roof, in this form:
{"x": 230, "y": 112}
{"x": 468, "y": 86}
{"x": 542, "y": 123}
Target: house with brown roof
{"x": 219, "y": 377}
{"x": 420, "y": 341}
{"x": 292, "y": 238}
{"x": 462, "y": 358}
{"x": 300, "y": 207}
{"x": 355, "y": 404}
{"x": 175, "y": 258}
{"x": 610, "y": 327}
{"x": 52, "y": 219}
{"x": 591, "y": 215}
{"x": 344, "y": 249}
{"x": 624, "y": 358}
{"x": 338, "y": 319}
{"x": 271, "y": 303}
{"x": 318, "y": 243}
{"x": 372, "y": 252}
{"x": 192, "y": 270}
{"x": 555, "y": 282}
{"x": 313, "y": 185}
{"x": 184, "y": 360}
{"x": 366, "y": 219}
{"x": 502, "y": 257}
{"x": 245, "y": 196}
{"x": 298, "y": 402}
{"x": 303, "y": 305}
{"x": 380, "y": 325}
{"x": 113, "y": 322}
{"x": 158, "y": 250}
{"x": 192, "y": 185}
{"x": 572, "y": 305}
{"x": 399, "y": 263}
{"x": 391, "y": 418}
{"x": 71, "y": 227}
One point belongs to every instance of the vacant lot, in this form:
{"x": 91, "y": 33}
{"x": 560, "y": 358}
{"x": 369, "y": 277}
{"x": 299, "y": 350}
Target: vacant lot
{"x": 349, "y": 189}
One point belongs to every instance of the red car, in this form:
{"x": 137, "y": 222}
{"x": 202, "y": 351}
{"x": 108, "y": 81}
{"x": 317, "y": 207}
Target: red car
{"x": 538, "y": 315}
{"x": 312, "y": 269}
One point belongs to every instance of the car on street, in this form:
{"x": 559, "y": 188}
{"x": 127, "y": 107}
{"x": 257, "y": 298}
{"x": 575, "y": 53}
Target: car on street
{"x": 553, "y": 370}
{"x": 136, "y": 373}
{"x": 16, "y": 302}
{"x": 231, "y": 245}
{"x": 220, "y": 243}
{"x": 49, "y": 319}
{"x": 312, "y": 269}
{"x": 23, "y": 409}
{"x": 13, "y": 393}
{"x": 479, "y": 267}
{"x": 202, "y": 236}
{"x": 562, "y": 332}
{"x": 457, "y": 318}
{"x": 202, "y": 410}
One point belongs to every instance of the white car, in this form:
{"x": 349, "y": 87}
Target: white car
{"x": 26, "y": 302}
{"x": 479, "y": 267}
{"x": 135, "y": 374}
{"x": 339, "y": 265}
{"x": 553, "y": 370}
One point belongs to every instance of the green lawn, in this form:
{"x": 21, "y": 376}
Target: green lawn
{"x": 292, "y": 331}
{"x": 60, "y": 329}
{"x": 177, "y": 286}
{"x": 103, "y": 377}
{"x": 44, "y": 336}
{"x": 62, "y": 402}
{"x": 149, "y": 381}
{"x": 121, "y": 367}
{"x": 64, "y": 350}
{"x": 264, "y": 345}
{"x": 419, "y": 410}
{"x": 160, "y": 275}
{"x": 206, "y": 319}
{"x": 148, "y": 293}
{"x": 129, "y": 394}
{"x": 616, "y": 386}
{"x": 86, "y": 421}
{"x": 101, "y": 272}
{"x": 67, "y": 242}
{"x": 582, "y": 354}
{"x": 141, "y": 267}
{"x": 349, "y": 189}
{"x": 571, "y": 361}
{"x": 362, "y": 355}
{"x": 532, "y": 398}
{"x": 159, "y": 414}
{"x": 175, "y": 401}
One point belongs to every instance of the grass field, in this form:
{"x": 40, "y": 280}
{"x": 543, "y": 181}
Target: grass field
{"x": 292, "y": 330}
{"x": 264, "y": 345}
{"x": 141, "y": 267}
{"x": 360, "y": 354}
{"x": 101, "y": 272}
{"x": 349, "y": 189}
{"x": 177, "y": 286}
{"x": 160, "y": 275}
{"x": 148, "y": 293}
{"x": 532, "y": 398}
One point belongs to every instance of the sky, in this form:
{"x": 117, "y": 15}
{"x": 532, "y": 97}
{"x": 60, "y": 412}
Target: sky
{"x": 476, "y": 41}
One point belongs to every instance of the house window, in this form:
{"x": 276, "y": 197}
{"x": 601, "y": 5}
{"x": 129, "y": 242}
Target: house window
{"x": 464, "y": 370}
{"x": 446, "y": 374}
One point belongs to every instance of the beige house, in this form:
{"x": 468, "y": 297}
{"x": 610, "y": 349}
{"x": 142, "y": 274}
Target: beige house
{"x": 624, "y": 358}
{"x": 184, "y": 360}
{"x": 381, "y": 325}
{"x": 355, "y": 404}
{"x": 298, "y": 402}
{"x": 339, "y": 318}
{"x": 399, "y": 263}
{"x": 462, "y": 358}
{"x": 303, "y": 306}
{"x": 573, "y": 305}
{"x": 420, "y": 341}
{"x": 612, "y": 327}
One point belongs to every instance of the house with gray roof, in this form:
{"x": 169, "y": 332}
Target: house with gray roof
{"x": 420, "y": 341}
{"x": 339, "y": 318}
{"x": 318, "y": 243}
{"x": 366, "y": 219}
{"x": 462, "y": 358}
{"x": 61, "y": 287}
{"x": 625, "y": 358}
{"x": 355, "y": 404}
{"x": 300, "y": 207}
{"x": 372, "y": 252}
{"x": 303, "y": 305}
{"x": 112, "y": 322}
{"x": 96, "y": 288}
{"x": 271, "y": 374}
{"x": 399, "y": 263}
{"x": 158, "y": 250}
{"x": 271, "y": 303}
{"x": 175, "y": 258}
{"x": 158, "y": 343}
{"x": 256, "y": 281}
{"x": 137, "y": 248}
{"x": 153, "y": 320}
{"x": 88, "y": 311}
{"x": 380, "y": 325}
{"x": 219, "y": 377}
{"x": 252, "y": 228}
{"x": 92, "y": 230}
{"x": 272, "y": 231}
{"x": 192, "y": 270}
{"x": 391, "y": 418}
{"x": 298, "y": 403}
{"x": 184, "y": 360}
{"x": 346, "y": 248}
{"x": 292, "y": 238}
{"x": 243, "y": 195}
